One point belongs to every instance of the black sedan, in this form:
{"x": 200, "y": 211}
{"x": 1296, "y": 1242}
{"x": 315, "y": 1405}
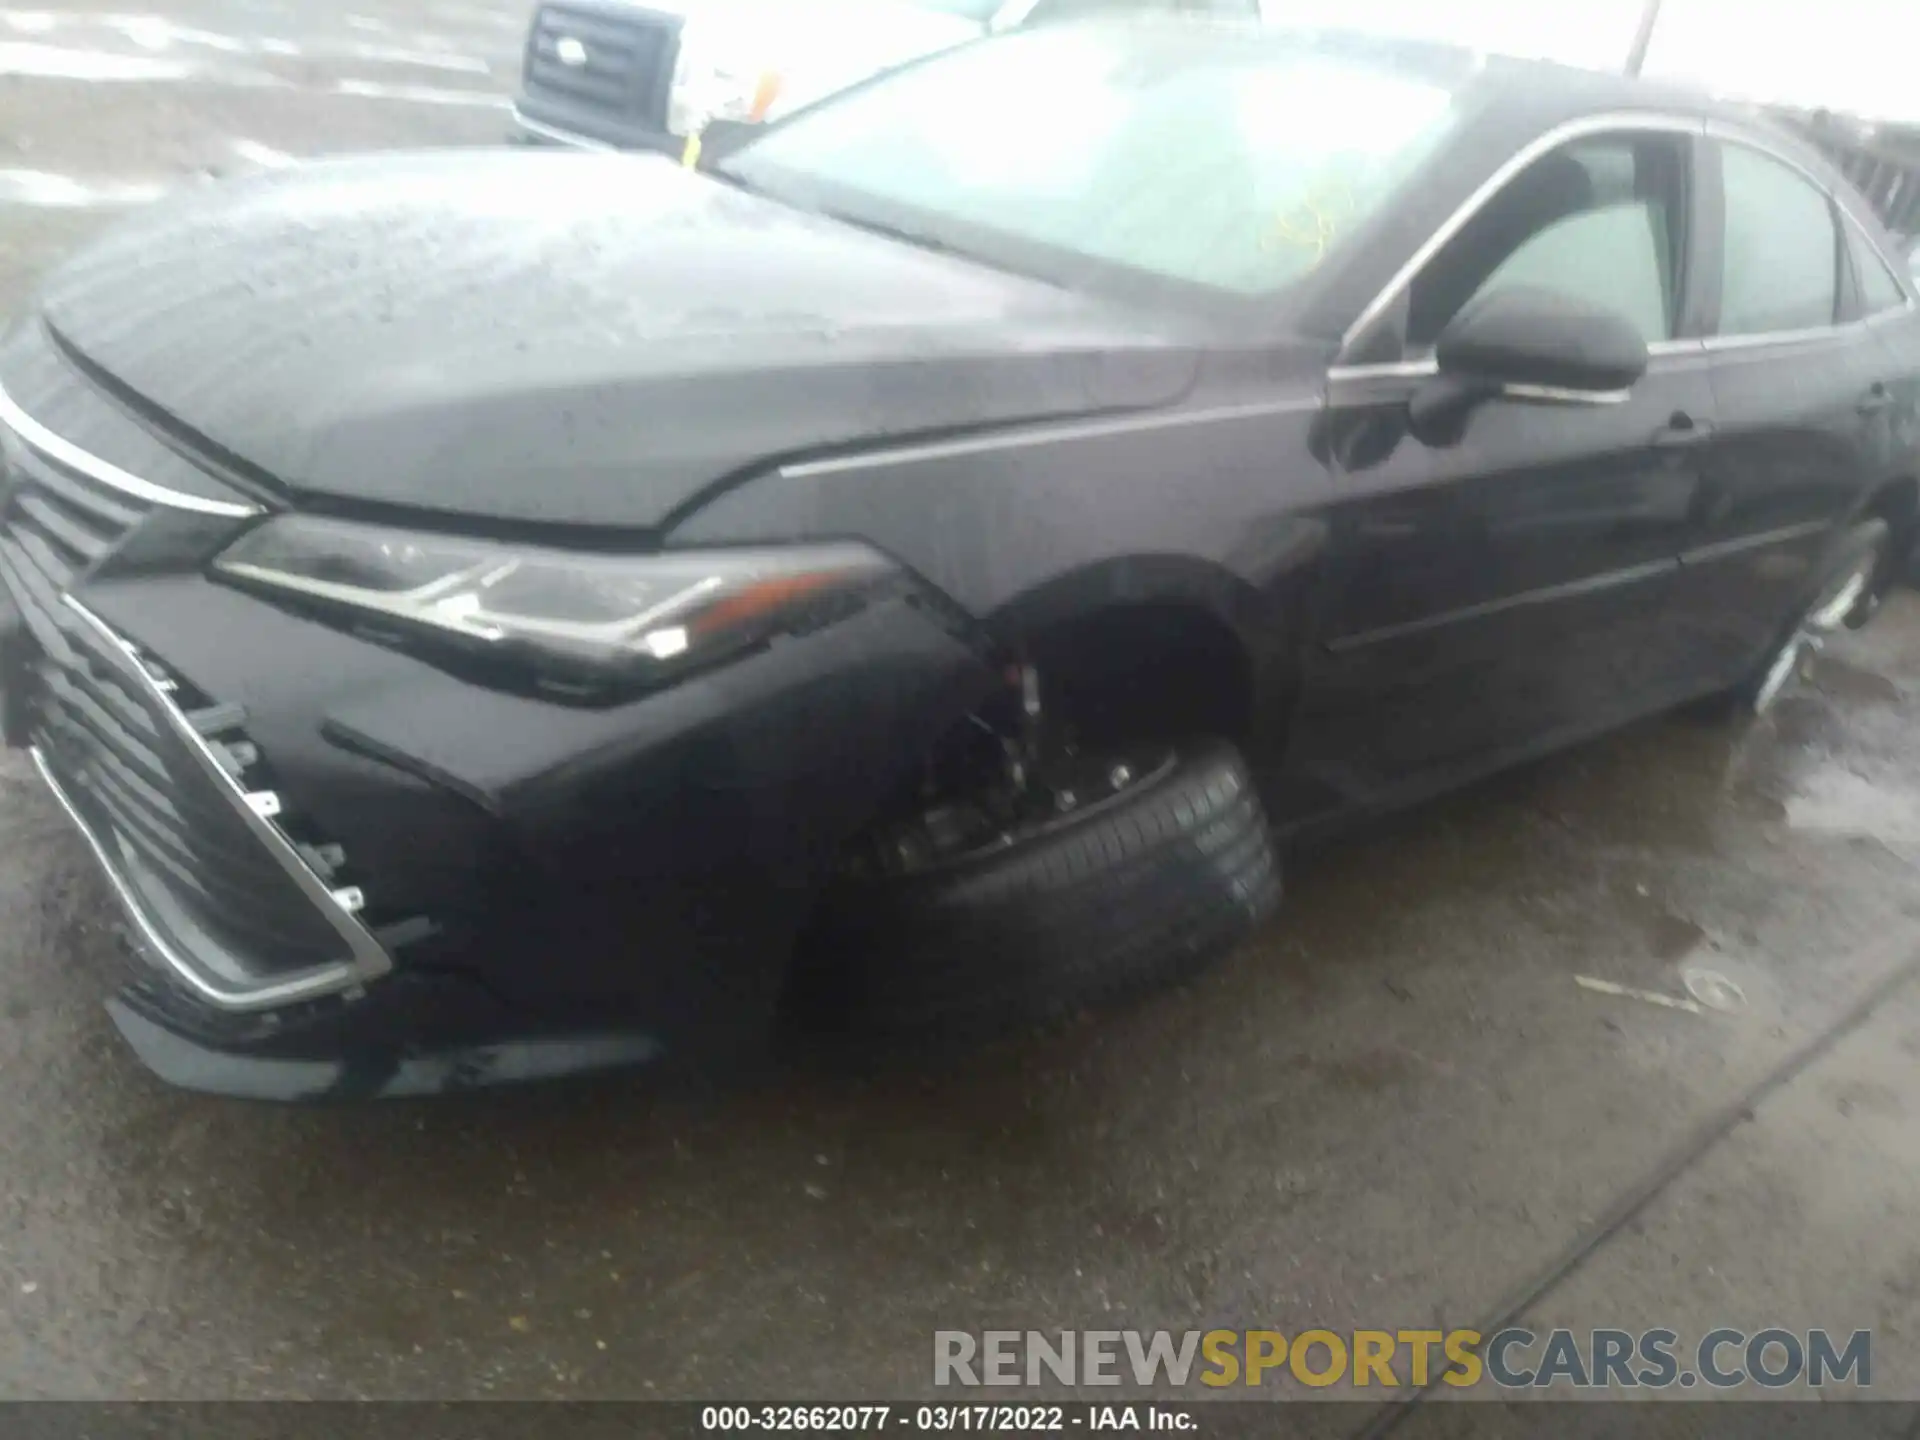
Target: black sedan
{"x": 498, "y": 615}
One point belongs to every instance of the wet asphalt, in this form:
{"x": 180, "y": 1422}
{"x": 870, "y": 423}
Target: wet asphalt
{"x": 1396, "y": 1107}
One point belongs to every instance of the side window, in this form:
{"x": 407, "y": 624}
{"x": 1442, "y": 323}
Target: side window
{"x": 1599, "y": 220}
{"x": 1782, "y": 252}
{"x": 1613, "y": 256}
{"x": 1878, "y": 289}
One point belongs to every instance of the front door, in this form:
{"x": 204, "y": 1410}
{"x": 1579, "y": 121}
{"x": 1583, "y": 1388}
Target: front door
{"x": 1498, "y": 594}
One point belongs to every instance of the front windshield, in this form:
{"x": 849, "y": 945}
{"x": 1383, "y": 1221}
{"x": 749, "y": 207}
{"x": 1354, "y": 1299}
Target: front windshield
{"x": 1231, "y": 161}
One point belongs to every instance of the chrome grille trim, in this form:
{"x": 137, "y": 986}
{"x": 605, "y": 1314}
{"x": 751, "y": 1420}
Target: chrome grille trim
{"x": 162, "y": 836}
{"x": 150, "y": 933}
{"x": 37, "y": 437}
{"x": 367, "y": 958}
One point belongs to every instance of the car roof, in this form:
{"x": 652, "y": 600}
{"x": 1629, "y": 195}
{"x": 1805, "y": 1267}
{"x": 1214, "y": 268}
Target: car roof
{"x": 1525, "y": 96}
{"x": 1548, "y": 89}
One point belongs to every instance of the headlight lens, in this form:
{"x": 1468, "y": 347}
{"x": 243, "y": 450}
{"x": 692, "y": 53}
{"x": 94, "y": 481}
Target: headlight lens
{"x": 577, "y": 618}
{"x": 710, "y": 86}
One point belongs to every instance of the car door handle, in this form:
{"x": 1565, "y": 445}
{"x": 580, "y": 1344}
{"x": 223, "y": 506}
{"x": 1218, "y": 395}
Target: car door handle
{"x": 1877, "y": 398}
{"x": 1681, "y": 429}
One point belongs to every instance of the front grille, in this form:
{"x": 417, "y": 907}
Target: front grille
{"x": 178, "y": 834}
{"x": 627, "y": 71}
{"x": 247, "y": 902}
{"x": 56, "y": 522}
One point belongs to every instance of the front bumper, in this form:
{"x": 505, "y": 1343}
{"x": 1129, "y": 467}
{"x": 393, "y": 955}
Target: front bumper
{"x": 156, "y": 1013}
{"x": 537, "y": 122}
{"x": 441, "y": 884}
{"x": 133, "y": 755}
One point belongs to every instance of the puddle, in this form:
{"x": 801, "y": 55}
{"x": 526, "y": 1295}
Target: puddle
{"x": 1843, "y": 803}
{"x": 63, "y": 192}
{"x": 1842, "y": 680}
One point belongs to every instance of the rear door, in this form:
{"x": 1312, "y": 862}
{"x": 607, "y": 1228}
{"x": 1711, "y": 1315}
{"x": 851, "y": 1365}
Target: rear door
{"x": 1885, "y": 306}
{"x": 1800, "y": 387}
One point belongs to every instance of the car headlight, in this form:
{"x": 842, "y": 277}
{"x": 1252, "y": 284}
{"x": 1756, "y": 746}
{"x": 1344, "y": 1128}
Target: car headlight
{"x": 571, "y": 619}
{"x": 717, "y": 77}
{"x": 719, "y": 94}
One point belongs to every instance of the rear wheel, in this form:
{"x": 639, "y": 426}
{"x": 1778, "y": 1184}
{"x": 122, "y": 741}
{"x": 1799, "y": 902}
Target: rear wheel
{"x": 1112, "y": 874}
{"x": 1846, "y": 598}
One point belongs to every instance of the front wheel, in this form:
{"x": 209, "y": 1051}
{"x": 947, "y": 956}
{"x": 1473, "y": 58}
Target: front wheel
{"x": 1162, "y": 864}
{"x": 1847, "y": 598}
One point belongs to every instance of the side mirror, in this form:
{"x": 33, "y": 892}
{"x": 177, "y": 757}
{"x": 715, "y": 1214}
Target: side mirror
{"x": 1529, "y": 345}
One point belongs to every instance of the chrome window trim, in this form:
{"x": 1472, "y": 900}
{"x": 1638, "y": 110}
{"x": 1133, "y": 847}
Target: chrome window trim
{"x": 1650, "y": 121}
{"x": 1766, "y": 338}
{"x": 1733, "y": 134}
{"x": 35, "y": 436}
{"x": 1902, "y": 277}
{"x": 369, "y": 959}
{"x": 1427, "y": 366}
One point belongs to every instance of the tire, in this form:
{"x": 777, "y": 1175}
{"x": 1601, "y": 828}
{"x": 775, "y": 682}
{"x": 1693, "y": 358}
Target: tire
{"x": 1867, "y": 549}
{"x": 1138, "y": 891}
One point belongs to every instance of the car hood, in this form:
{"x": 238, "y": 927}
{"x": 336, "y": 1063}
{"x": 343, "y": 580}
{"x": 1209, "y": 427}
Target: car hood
{"x": 570, "y": 339}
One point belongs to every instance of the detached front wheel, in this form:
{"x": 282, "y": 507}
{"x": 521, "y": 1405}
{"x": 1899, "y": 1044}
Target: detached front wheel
{"x": 1145, "y": 865}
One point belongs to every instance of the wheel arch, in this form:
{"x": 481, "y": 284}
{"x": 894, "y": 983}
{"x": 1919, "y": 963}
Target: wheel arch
{"x": 1897, "y": 501}
{"x": 1167, "y": 641}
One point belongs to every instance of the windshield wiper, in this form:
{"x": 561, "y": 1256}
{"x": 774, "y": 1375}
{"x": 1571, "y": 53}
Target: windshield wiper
{"x": 732, "y": 179}
{"x": 906, "y": 233}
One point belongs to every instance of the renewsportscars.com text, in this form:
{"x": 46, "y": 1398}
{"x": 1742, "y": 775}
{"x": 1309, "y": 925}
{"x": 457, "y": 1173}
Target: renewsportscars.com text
{"x": 1772, "y": 1358}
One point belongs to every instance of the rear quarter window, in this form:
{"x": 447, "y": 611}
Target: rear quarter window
{"x": 1880, "y": 290}
{"x": 1781, "y": 268}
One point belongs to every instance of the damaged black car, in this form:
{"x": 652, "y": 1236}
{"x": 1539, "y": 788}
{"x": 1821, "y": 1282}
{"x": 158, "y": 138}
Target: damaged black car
{"x": 496, "y": 615}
